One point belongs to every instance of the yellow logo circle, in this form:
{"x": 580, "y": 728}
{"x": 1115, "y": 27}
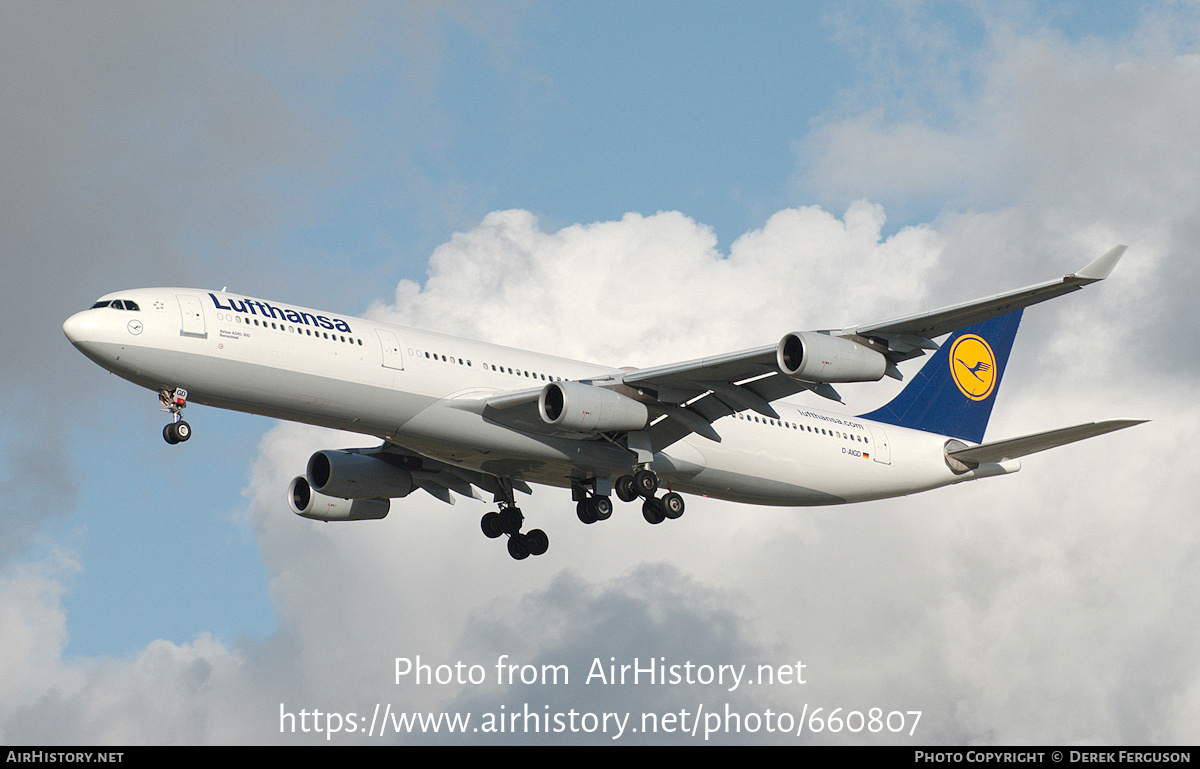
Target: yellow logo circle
{"x": 973, "y": 366}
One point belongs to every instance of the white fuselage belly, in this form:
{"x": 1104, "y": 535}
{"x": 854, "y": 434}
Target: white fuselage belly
{"x": 399, "y": 384}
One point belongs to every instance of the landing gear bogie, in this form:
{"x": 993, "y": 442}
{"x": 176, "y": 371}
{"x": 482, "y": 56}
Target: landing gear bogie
{"x": 508, "y": 520}
{"x": 644, "y": 483}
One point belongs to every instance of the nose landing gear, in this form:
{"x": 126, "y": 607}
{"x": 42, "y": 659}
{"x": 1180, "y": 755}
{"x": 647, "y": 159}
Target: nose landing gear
{"x": 174, "y": 401}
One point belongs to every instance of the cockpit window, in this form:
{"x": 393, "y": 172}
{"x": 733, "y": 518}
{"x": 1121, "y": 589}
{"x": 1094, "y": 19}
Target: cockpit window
{"x": 117, "y": 304}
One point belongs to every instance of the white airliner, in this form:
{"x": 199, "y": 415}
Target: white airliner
{"x": 462, "y": 416}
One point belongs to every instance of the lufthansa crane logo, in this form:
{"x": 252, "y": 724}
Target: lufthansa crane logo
{"x": 973, "y": 366}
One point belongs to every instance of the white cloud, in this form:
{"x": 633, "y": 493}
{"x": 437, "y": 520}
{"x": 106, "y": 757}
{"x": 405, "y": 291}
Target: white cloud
{"x": 656, "y": 287}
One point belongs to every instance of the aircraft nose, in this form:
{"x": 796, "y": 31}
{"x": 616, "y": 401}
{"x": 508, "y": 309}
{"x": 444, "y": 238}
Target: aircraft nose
{"x": 79, "y": 327}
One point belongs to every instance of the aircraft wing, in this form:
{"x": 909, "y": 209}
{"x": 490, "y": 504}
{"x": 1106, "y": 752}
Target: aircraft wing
{"x": 1012, "y": 448}
{"x": 687, "y": 397}
{"x": 695, "y": 393}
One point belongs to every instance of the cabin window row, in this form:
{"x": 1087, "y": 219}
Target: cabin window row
{"x": 486, "y": 366}
{"x": 803, "y": 428}
{"x": 290, "y": 329}
{"x": 521, "y": 372}
{"x": 439, "y": 357}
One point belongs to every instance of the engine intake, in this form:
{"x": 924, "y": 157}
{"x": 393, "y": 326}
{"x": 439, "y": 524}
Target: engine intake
{"x": 307, "y": 503}
{"x": 813, "y": 357}
{"x": 587, "y": 409}
{"x": 357, "y": 476}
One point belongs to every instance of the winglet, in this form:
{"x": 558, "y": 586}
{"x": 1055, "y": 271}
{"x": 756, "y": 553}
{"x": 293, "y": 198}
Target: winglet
{"x": 1099, "y": 269}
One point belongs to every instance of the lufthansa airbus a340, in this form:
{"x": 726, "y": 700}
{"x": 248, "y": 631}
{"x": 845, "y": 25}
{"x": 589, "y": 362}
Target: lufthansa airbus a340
{"x": 462, "y": 416}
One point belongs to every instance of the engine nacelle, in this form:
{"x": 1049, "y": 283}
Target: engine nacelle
{"x": 357, "y": 476}
{"x": 307, "y": 503}
{"x": 587, "y": 409}
{"x": 813, "y": 357}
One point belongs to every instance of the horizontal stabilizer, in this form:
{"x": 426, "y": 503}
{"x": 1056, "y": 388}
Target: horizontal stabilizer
{"x": 998, "y": 451}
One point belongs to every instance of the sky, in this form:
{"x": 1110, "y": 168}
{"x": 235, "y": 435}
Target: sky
{"x": 632, "y": 184}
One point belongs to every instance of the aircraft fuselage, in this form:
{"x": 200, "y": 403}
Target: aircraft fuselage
{"x": 402, "y": 385}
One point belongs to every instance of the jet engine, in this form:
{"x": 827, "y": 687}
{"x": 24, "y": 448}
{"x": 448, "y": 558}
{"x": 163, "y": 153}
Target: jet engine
{"x": 307, "y": 503}
{"x": 357, "y": 476}
{"x": 813, "y": 357}
{"x": 587, "y": 409}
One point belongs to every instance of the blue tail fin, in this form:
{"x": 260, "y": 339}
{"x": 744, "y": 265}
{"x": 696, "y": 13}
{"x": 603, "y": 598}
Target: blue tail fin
{"x": 953, "y": 393}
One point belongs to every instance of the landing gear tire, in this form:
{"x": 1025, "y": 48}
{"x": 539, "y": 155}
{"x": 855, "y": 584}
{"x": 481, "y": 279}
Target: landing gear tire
{"x": 652, "y": 511}
{"x": 511, "y": 520}
{"x": 646, "y": 483}
{"x": 672, "y": 505}
{"x": 626, "y": 488}
{"x": 518, "y": 546}
{"x": 537, "y": 542}
{"x": 594, "y": 509}
{"x": 177, "y": 432}
{"x": 491, "y": 525}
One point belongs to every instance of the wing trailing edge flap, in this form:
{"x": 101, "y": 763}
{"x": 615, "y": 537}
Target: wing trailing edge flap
{"x": 1013, "y": 448}
{"x": 714, "y": 399}
{"x": 439, "y": 478}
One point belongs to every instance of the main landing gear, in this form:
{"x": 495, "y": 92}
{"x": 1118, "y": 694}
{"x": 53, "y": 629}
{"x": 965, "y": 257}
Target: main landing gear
{"x": 174, "y": 401}
{"x": 591, "y": 505}
{"x": 644, "y": 484}
{"x": 508, "y": 521}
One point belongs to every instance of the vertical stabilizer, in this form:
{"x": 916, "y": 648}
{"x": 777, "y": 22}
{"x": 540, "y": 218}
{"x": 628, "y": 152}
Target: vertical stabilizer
{"x": 954, "y": 391}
